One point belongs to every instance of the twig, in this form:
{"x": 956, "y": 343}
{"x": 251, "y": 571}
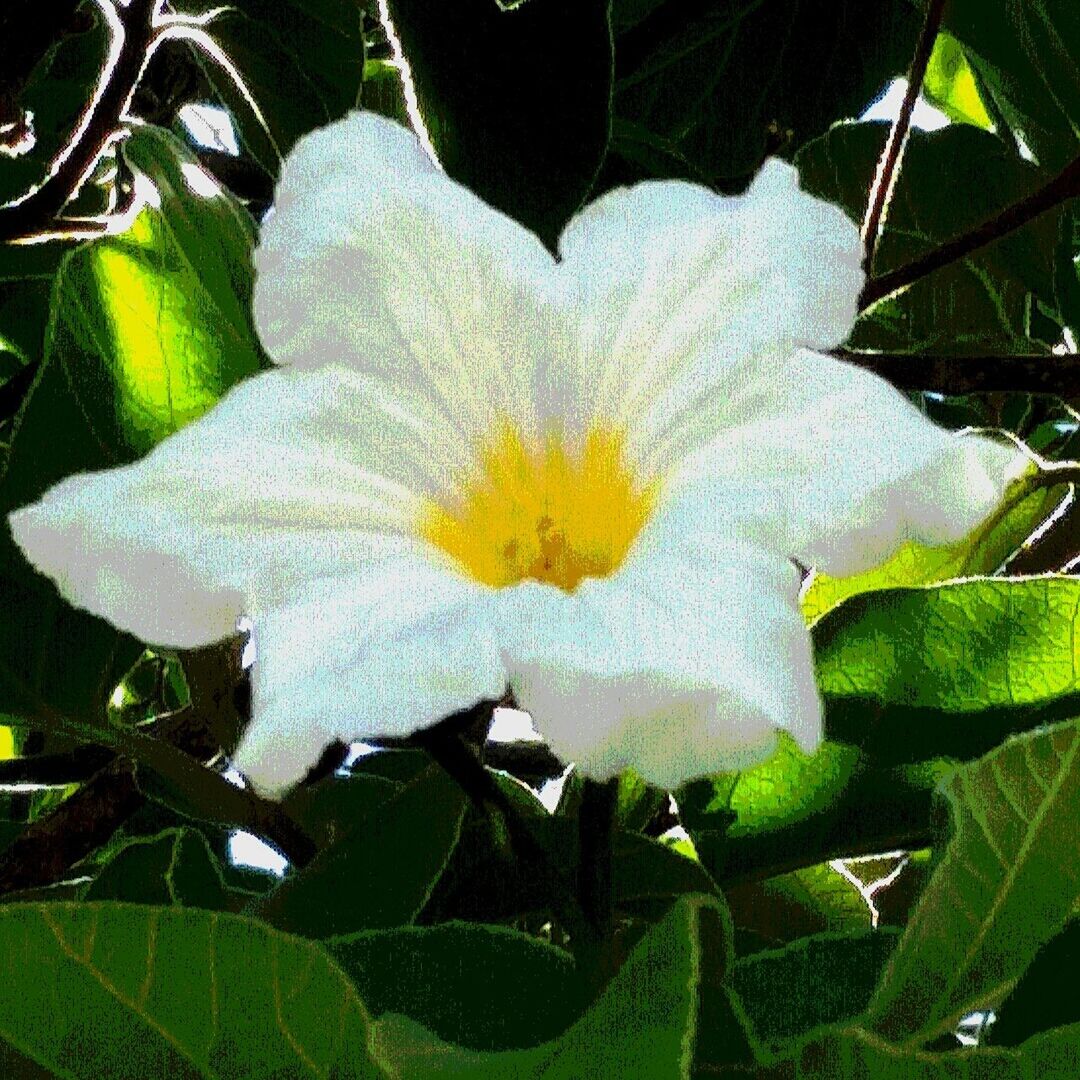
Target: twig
{"x": 1064, "y": 186}
{"x": 892, "y": 156}
{"x": 55, "y": 770}
{"x": 1033, "y": 373}
{"x": 44, "y": 852}
{"x": 135, "y": 36}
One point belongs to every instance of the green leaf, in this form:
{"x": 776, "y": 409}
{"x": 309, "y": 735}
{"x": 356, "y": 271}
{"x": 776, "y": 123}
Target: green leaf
{"x": 485, "y": 987}
{"x": 637, "y": 802}
{"x": 149, "y": 327}
{"x": 826, "y": 979}
{"x": 27, "y": 272}
{"x": 174, "y": 867}
{"x": 322, "y": 810}
{"x": 854, "y": 1055}
{"x": 129, "y": 992}
{"x": 1005, "y": 885}
{"x": 813, "y": 900}
{"x": 1045, "y": 996}
{"x": 911, "y": 674}
{"x": 649, "y": 876}
{"x": 950, "y": 86}
{"x": 380, "y": 870}
{"x": 301, "y": 62}
{"x": 797, "y": 810}
{"x": 978, "y": 304}
{"x": 644, "y": 1024}
{"x": 1027, "y": 58}
{"x": 515, "y": 103}
{"x": 981, "y": 552}
{"x": 727, "y": 84}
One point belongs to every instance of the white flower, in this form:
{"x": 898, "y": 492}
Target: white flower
{"x": 479, "y": 465}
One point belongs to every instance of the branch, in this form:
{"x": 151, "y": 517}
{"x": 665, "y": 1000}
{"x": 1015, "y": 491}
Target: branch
{"x": 1064, "y": 186}
{"x": 134, "y": 38}
{"x": 1033, "y": 373}
{"x": 892, "y": 155}
{"x": 84, "y": 821}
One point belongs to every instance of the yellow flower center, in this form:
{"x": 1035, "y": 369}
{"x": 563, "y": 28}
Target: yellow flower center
{"x": 543, "y": 513}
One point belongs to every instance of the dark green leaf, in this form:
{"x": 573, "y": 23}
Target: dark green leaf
{"x": 174, "y": 867}
{"x": 729, "y": 83}
{"x": 1046, "y": 995}
{"x": 977, "y": 304}
{"x": 1027, "y": 57}
{"x": 648, "y": 876}
{"x": 380, "y": 870}
{"x": 301, "y": 61}
{"x": 824, "y": 979}
{"x": 855, "y": 1055}
{"x": 1007, "y": 882}
{"x": 485, "y": 987}
{"x": 515, "y": 101}
{"x": 129, "y": 992}
{"x": 644, "y": 1024}
{"x": 56, "y": 96}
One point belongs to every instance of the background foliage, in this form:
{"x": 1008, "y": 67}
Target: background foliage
{"x": 900, "y": 904}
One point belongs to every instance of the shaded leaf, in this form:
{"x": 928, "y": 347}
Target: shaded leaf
{"x": 380, "y": 870}
{"x": 513, "y": 111}
{"x": 1027, "y": 57}
{"x": 978, "y": 304}
{"x": 643, "y": 1024}
{"x": 1045, "y": 996}
{"x": 174, "y": 867}
{"x": 485, "y": 987}
{"x": 301, "y": 61}
{"x": 130, "y": 992}
{"x": 824, "y": 979}
{"x": 1005, "y": 885}
{"x": 728, "y": 83}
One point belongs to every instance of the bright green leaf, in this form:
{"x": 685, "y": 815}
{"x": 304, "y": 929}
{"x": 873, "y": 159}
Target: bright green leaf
{"x": 149, "y": 327}
{"x": 950, "y": 86}
{"x": 912, "y": 674}
{"x": 982, "y": 552}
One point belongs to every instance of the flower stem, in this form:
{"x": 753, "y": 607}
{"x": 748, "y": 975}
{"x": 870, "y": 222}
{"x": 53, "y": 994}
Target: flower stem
{"x": 596, "y": 826}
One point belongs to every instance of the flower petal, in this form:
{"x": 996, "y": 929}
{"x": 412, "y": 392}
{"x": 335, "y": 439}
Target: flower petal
{"x": 373, "y": 257}
{"x": 388, "y": 650}
{"x": 679, "y": 291}
{"x": 683, "y": 663}
{"x": 293, "y": 476}
{"x": 834, "y": 466}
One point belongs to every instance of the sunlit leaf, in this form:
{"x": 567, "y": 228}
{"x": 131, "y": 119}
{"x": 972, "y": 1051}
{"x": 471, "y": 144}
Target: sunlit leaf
{"x": 950, "y": 85}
